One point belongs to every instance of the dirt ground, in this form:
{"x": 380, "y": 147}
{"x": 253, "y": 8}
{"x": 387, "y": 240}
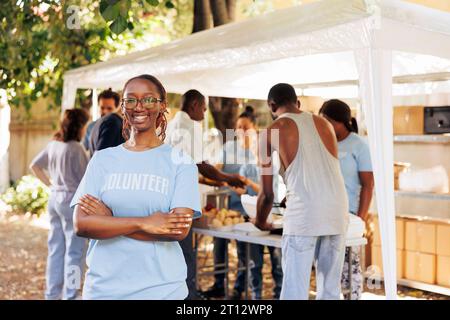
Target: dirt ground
{"x": 22, "y": 258}
{"x": 23, "y": 252}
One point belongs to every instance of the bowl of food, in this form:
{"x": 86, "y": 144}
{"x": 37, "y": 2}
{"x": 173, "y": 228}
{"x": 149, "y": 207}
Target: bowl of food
{"x": 225, "y": 219}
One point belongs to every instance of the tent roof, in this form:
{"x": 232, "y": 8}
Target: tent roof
{"x": 301, "y": 45}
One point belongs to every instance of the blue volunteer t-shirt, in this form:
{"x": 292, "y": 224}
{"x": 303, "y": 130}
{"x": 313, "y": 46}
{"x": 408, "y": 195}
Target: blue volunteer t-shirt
{"x": 234, "y": 156}
{"x": 354, "y": 157}
{"x": 250, "y": 171}
{"x": 136, "y": 184}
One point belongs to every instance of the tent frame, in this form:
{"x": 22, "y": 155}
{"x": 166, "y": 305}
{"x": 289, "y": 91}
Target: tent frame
{"x": 371, "y": 29}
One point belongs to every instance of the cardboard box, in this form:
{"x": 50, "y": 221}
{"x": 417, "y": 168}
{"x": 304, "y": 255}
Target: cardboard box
{"x": 420, "y": 236}
{"x": 399, "y": 228}
{"x": 409, "y": 120}
{"x": 443, "y": 240}
{"x": 443, "y": 271}
{"x": 377, "y": 260}
{"x": 420, "y": 267}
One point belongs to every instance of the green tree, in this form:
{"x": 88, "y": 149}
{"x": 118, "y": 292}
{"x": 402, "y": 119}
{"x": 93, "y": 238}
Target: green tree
{"x": 41, "y": 39}
{"x": 223, "y": 110}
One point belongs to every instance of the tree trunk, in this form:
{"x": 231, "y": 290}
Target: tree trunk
{"x": 202, "y": 15}
{"x": 231, "y": 9}
{"x": 219, "y": 11}
{"x": 223, "y": 110}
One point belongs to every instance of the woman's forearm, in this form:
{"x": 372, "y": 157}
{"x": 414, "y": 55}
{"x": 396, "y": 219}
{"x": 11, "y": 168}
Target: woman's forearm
{"x": 255, "y": 186}
{"x": 365, "y": 199}
{"x": 40, "y": 174}
{"x": 103, "y": 227}
{"x": 143, "y": 236}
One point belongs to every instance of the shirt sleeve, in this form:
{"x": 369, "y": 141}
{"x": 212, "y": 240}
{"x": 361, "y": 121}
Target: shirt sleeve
{"x": 87, "y": 136}
{"x": 186, "y": 192}
{"x": 109, "y": 134}
{"x": 41, "y": 159}
{"x": 363, "y": 158}
{"x": 79, "y": 161}
{"x": 185, "y": 137}
{"x": 91, "y": 182}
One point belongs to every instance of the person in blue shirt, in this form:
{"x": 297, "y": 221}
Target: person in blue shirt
{"x": 235, "y": 154}
{"x": 356, "y": 167}
{"x": 252, "y": 174}
{"x": 135, "y": 202}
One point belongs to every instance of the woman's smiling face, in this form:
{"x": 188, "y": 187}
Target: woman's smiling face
{"x": 142, "y": 118}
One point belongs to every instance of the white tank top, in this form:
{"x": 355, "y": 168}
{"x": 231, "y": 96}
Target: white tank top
{"x": 316, "y": 199}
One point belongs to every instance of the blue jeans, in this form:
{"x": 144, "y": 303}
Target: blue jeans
{"x": 220, "y": 247}
{"x": 65, "y": 261}
{"x": 299, "y": 254}
{"x": 256, "y": 265}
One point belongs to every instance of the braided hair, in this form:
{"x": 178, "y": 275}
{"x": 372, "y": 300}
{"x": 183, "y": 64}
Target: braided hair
{"x": 161, "y": 120}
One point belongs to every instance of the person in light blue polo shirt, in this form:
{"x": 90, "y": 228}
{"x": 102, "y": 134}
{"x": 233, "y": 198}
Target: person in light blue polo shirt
{"x": 356, "y": 167}
{"x": 135, "y": 202}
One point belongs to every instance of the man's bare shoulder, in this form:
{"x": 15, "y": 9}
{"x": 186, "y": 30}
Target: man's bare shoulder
{"x": 322, "y": 123}
{"x": 280, "y": 123}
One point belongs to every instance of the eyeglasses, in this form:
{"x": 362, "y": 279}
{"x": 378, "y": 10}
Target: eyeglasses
{"x": 147, "y": 102}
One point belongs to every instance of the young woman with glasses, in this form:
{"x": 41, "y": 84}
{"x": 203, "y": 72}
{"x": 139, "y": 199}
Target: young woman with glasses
{"x": 136, "y": 201}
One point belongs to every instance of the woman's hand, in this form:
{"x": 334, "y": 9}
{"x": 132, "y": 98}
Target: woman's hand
{"x": 235, "y": 180}
{"x": 93, "y": 206}
{"x": 172, "y": 223}
{"x": 239, "y": 191}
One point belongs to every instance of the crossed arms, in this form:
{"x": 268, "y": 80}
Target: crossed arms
{"x": 93, "y": 219}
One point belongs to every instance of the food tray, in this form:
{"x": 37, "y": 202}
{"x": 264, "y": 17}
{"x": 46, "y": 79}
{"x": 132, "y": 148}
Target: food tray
{"x": 223, "y": 228}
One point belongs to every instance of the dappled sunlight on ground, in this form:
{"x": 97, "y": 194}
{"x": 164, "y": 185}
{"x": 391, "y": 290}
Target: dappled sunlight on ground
{"x": 23, "y": 255}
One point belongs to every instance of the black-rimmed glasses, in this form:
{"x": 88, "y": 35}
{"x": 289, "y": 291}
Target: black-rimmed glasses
{"x": 147, "y": 102}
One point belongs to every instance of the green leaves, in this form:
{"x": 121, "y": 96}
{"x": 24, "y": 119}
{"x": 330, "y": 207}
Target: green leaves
{"x": 170, "y": 5}
{"x": 37, "y": 49}
{"x": 119, "y": 25}
{"x": 27, "y": 195}
{"x": 110, "y": 12}
{"x": 117, "y": 11}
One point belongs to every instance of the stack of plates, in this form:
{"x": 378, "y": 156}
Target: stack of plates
{"x": 356, "y": 227}
{"x": 249, "y": 204}
{"x": 249, "y": 229}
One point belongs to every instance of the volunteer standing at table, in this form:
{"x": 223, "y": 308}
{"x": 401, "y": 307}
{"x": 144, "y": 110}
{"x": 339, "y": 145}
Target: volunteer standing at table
{"x": 315, "y": 220}
{"x": 136, "y": 203}
{"x": 239, "y": 156}
{"x": 356, "y": 167}
{"x": 185, "y": 132}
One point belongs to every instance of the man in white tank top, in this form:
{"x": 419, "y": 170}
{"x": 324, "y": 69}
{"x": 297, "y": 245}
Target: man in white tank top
{"x": 315, "y": 220}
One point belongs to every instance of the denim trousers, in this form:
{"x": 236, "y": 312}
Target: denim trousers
{"x": 65, "y": 260}
{"x": 191, "y": 264}
{"x": 255, "y": 265}
{"x": 299, "y": 253}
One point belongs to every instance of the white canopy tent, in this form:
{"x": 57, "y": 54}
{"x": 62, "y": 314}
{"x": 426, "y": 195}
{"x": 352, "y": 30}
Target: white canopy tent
{"x": 367, "y": 48}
